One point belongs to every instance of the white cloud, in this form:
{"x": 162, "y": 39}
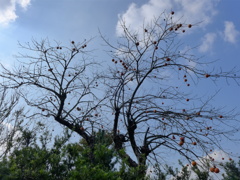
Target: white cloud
{"x": 24, "y": 3}
{"x": 196, "y": 11}
{"x": 8, "y": 10}
{"x": 193, "y": 11}
{"x": 230, "y": 33}
{"x": 207, "y": 42}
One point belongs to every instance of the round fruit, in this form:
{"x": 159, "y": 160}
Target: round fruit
{"x": 216, "y": 170}
{"x": 212, "y": 169}
{"x": 181, "y": 143}
{"x": 81, "y": 128}
{"x": 194, "y": 163}
{"x": 182, "y": 139}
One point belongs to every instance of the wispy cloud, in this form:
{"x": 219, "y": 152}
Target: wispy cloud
{"x": 230, "y": 33}
{"x": 24, "y": 3}
{"x": 207, "y": 42}
{"x": 8, "y": 10}
{"x": 193, "y": 11}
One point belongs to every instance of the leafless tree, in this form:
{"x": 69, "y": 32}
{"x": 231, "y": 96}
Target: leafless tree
{"x": 151, "y": 110}
{"x": 153, "y": 113}
{"x": 58, "y": 82}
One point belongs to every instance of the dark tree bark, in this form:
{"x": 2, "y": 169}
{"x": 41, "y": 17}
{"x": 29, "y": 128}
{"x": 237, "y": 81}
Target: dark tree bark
{"x": 157, "y": 115}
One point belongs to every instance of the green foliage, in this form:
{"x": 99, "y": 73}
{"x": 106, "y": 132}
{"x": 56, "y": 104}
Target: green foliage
{"x": 32, "y": 160}
{"x": 232, "y": 170}
{"x": 4, "y": 169}
{"x": 186, "y": 172}
{"x": 131, "y": 173}
{"x": 28, "y": 162}
{"x": 201, "y": 174}
{"x": 159, "y": 173}
{"x": 93, "y": 163}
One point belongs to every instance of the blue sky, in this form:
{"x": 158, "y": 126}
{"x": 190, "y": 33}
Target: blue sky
{"x": 218, "y": 34}
{"x": 64, "y": 20}
{"x": 217, "y": 37}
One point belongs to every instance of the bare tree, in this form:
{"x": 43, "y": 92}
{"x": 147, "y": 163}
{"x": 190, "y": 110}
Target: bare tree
{"x": 58, "y": 82}
{"x": 153, "y": 113}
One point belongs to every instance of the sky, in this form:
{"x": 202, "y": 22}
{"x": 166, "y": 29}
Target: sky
{"x": 215, "y": 34}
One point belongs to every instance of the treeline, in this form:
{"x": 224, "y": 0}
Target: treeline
{"x": 34, "y": 158}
